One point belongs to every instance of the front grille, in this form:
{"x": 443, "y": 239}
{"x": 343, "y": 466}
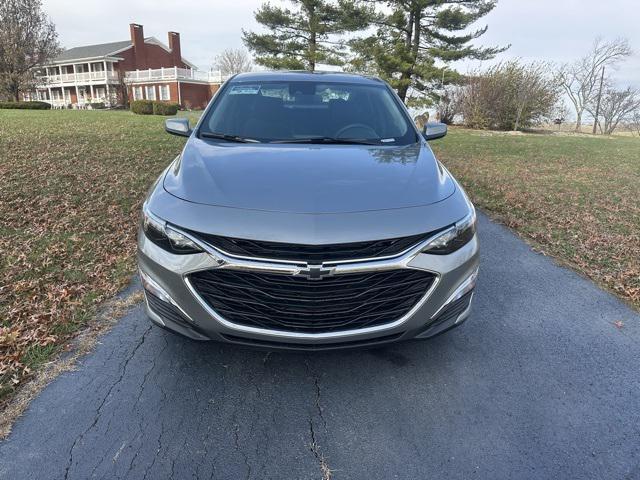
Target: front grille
{"x": 296, "y": 304}
{"x": 312, "y": 253}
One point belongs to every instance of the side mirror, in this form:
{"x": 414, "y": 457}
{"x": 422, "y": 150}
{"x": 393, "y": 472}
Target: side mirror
{"x": 434, "y": 130}
{"x": 177, "y": 126}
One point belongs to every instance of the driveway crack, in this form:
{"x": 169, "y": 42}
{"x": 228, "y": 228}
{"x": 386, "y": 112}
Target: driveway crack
{"x": 314, "y": 446}
{"x": 104, "y": 400}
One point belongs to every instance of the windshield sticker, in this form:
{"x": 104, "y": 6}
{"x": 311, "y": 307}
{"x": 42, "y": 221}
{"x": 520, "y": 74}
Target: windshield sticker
{"x": 245, "y": 90}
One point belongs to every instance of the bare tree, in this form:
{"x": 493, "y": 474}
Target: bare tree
{"x": 634, "y": 125}
{"x": 232, "y": 61}
{"x": 581, "y": 79}
{"x": 618, "y": 106}
{"x": 27, "y": 39}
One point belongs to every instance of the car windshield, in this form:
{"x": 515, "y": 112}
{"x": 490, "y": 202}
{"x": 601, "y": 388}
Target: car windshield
{"x": 307, "y": 112}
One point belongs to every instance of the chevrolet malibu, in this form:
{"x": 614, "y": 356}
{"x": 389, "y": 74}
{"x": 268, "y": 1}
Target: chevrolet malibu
{"x": 307, "y": 211}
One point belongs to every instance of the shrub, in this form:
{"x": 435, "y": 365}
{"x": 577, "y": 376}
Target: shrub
{"x": 509, "y": 96}
{"x": 26, "y": 105}
{"x": 97, "y": 105}
{"x": 161, "y": 108}
{"x": 142, "y": 107}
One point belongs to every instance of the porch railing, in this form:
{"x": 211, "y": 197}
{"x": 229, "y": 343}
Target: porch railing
{"x": 77, "y": 77}
{"x": 173, "y": 73}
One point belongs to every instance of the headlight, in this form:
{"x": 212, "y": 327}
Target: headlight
{"x": 166, "y": 237}
{"x": 454, "y": 237}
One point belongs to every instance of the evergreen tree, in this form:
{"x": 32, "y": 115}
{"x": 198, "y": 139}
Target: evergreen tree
{"x": 411, "y": 35}
{"x": 302, "y": 37}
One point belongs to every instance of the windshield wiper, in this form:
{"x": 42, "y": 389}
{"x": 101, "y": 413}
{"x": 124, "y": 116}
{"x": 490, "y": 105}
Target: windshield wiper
{"x": 227, "y": 137}
{"x": 329, "y": 140}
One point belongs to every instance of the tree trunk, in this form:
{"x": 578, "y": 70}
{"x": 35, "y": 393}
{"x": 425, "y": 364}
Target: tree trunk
{"x": 313, "y": 44}
{"x": 412, "y": 44}
{"x": 578, "y": 121}
{"x": 312, "y": 51}
{"x": 517, "y": 123}
{"x": 403, "y": 89}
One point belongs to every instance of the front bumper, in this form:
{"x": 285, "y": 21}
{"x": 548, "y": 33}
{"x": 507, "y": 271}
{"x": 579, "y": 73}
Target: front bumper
{"x": 173, "y": 304}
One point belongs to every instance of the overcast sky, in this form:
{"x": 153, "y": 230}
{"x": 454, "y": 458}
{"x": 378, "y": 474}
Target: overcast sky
{"x": 556, "y": 30}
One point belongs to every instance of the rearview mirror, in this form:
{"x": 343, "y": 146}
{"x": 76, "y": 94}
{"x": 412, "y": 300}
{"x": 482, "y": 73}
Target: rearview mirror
{"x": 434, "y": 130}
{"x": 177, "y": 126}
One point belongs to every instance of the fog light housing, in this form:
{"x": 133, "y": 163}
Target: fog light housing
{"x": 465, "y": 287}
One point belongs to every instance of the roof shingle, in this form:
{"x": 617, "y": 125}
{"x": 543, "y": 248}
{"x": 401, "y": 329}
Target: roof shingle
{"x": 90, "y": 51}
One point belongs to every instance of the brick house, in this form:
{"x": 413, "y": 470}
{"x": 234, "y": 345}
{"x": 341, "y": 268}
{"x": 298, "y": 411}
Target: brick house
{"x": 141, "y": 68}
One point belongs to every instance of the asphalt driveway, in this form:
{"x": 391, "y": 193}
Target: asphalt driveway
{"x": 539, "y": 383}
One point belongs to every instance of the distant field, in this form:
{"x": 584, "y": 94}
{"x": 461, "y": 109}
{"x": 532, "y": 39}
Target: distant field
{"x": 71, "y": 183}
{"x": 574, "y": 197}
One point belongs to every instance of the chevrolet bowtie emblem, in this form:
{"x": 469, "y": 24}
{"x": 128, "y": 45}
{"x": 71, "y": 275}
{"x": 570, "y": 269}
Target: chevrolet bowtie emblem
{"x": 316, "y": 272}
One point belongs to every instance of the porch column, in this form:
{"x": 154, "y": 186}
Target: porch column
{"x": 75, "y": 84}
{"x": 108, "y": 95}
{"x": 50, "y": 96}
{"x": 91, "y": 88}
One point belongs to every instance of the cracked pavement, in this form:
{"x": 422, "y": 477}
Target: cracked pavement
{"x": 539, "y": 383}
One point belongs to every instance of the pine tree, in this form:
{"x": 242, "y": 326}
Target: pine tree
{"x": 411, "y": 35}
{"x": 305, "y": 36}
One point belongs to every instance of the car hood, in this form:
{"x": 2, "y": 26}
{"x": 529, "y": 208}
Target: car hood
{"x": 307, "y": 178}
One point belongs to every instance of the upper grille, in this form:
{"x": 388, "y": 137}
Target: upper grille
{"x": 296, "y": 304}
{"x": 311, "y": 253}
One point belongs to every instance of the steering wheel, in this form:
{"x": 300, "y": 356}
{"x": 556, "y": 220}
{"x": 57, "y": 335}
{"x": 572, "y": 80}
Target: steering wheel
{"x": 370, "y": 132}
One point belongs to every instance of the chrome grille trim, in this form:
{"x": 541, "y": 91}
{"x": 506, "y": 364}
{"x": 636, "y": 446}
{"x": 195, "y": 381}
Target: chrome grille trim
{"x": 214, "y": 258}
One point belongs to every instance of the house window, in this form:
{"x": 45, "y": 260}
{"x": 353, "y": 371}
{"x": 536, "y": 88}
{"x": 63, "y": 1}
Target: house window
{"x": 150, "y": 92}
{"x": 137, "y": 93}
{"x": 164, "y": 92}
{"x": 100, "y": 93}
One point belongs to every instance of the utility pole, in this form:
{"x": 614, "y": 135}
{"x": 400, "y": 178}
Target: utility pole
{"x": 595, "y": 120}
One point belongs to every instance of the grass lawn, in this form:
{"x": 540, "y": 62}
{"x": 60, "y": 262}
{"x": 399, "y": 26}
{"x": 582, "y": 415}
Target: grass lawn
{"x": 71, "y": 184}
{"x": 574, "y": 197}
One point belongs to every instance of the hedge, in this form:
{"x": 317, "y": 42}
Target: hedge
{"x": 26, "y": 105}
{"x": 142, "y": 107}
{"x": 161, "y": 108}
{"x": 97, "y": 105}
{"x": 148, "y": 107}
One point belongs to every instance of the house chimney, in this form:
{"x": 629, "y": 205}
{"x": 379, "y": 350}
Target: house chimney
{"x": 174, "y": 46}
{"x": 139, "y": 48}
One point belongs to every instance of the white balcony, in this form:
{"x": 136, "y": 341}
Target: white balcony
{"x": 175, "y": 73}
{"x": 74, "y": 78}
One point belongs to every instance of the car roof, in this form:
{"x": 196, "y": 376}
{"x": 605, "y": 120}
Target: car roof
{"x": 305, "y": 76}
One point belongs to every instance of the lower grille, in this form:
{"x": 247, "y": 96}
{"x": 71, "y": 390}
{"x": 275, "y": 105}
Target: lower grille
{"x": 373, "y": 342}
{"x": 453, "y": 310}
{"x": 297, "y": 304}
{"x": 166, "y": 311}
